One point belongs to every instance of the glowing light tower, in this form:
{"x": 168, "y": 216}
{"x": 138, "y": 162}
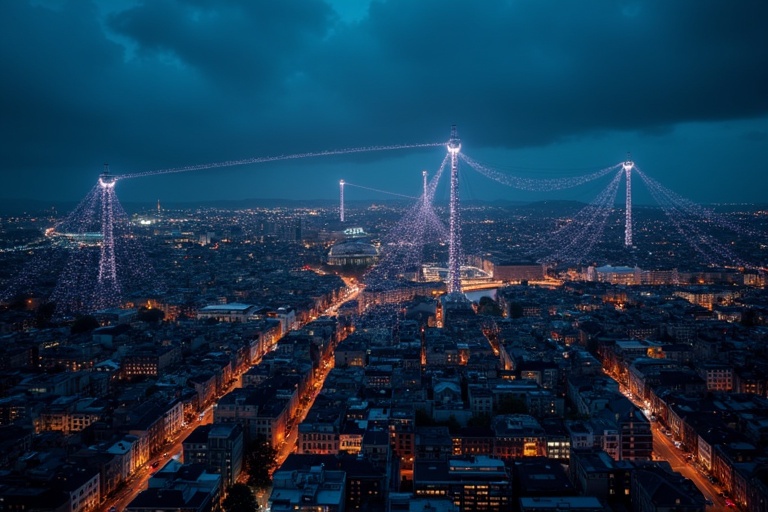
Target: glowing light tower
{"x": 425, "y": 202}
{"x": 454, "y": 247}
{"x": 109, "y": 288}
{"x": 341, "y": 200}
{"x": 627, "y": 166}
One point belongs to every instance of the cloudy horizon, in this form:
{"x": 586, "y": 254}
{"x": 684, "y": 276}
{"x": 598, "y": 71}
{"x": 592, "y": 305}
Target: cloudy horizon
{"x": 540, "y": 88}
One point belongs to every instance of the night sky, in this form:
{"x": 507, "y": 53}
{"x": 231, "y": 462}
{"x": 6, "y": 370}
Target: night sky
{"x": 537, "y": 88}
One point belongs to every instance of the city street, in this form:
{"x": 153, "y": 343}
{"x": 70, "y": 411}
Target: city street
{"x": 664, "y": 449}
{"x": 138, "y": 482}
{"x": 289, "y": 444}
{"x": 174, "y": 450}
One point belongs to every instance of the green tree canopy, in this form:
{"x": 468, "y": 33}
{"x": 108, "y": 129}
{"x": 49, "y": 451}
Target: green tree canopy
{"x": 45, "y": 313}
{"x": 240, "y": 499}
{"x": 84, "y": 323}
{"x": 151, "y": 315}
{"x": 480, "y": 420}
{"x": 260, "y": 461}
{"x": 510, "y": 405}
{"x": 488, "y": 306}
{"x": 515, "y": 310}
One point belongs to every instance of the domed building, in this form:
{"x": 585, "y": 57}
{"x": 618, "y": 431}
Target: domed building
{"x": 353, "y": 253}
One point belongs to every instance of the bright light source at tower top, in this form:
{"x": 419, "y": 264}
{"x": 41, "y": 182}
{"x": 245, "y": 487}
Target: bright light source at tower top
{"x": 628, "y": 163}
{"x": 454, "y": 143}
{"x": 107, "y": 181}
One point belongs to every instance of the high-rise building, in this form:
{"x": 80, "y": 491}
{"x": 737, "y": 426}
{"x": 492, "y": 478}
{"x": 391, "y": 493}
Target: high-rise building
{"x": 217, "y": 445}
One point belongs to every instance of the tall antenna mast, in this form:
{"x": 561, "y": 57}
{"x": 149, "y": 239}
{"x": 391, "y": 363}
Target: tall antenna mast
{"x": 627, "y": 166}
{"x": 454, "y": 249}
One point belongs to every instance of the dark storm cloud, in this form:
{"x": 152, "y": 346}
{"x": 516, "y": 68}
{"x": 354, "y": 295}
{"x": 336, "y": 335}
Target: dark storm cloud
{"x": 172, "y": 82}
{"x": 247, "y": 46}
{"x": 518, "y": 73}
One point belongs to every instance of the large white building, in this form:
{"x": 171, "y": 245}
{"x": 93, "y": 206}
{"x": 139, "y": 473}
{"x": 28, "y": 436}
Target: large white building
{"x": 234, "y": 312}
{"x": 614, "y": 275}
{"x": 354, "y": 253}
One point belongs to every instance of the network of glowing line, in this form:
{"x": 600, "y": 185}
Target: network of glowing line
{"x": 276, "y": 158}
{"x": 103, "y": 254}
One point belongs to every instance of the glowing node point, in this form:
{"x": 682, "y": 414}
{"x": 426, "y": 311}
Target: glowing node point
{"x": 628, "y": 164}
{"x": 454, "y": 143}
{"x": 107, "y": 180}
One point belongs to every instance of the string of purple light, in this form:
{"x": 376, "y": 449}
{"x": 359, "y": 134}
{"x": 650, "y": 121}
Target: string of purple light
{"x": 396, "y": 194}
{"x": 402, "y": 248}
{"x": 687, "y": 221}
{"x": 574, "y": 241}
{"x": 276, "y": 158}
{"x": 533, "y": 184}
{"x": 693, "y": 209}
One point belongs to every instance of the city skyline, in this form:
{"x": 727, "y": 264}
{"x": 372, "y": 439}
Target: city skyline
{"x": 535, "y": 90}
{"x": 244, "y": 318}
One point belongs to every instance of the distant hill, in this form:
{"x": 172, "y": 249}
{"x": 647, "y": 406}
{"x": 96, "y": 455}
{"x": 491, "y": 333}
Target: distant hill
{"x": 15, "y": 206}
{"x": 229, "y": 204}
{"x": 554, "y": 207}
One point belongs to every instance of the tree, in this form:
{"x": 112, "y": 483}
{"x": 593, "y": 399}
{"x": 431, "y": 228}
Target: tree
{"x": 151, "y": 315}
{"x": 260, "y": 461}
{"x": 424, "y": 419}
{"x": 45, "y": 313}
{"x": 749, "y": 318}
{"x": 84, "y": 323}
{"x": 509, "y": 404}
{"x": 480, "y": 420}
{"x": 452, "y": 423}
{"x": 151, "y": 390}
{"x": 240, "y": 499}
{"x": 488, "y": 306}
{"x": 515, "y": 310}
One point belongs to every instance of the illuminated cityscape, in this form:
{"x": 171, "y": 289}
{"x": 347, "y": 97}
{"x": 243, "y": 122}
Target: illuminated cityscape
{"x": 561, "y": 341}
{"x": 383, "y": 256}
